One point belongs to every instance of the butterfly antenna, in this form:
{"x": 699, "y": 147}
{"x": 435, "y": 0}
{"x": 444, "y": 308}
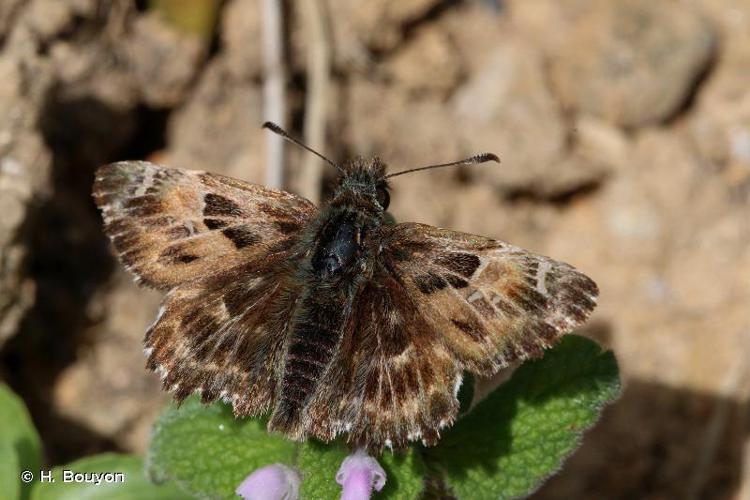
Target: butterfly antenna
{"x": 480, "y": 158}
{"x": 283, "y": 133}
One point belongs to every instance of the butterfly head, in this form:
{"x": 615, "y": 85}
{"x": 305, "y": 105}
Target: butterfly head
{"x": 362, "y": 182}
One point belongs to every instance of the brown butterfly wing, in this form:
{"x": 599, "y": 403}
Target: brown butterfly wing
{"x": 392, "y": 381}
{"x": 225, "y": 249}
{"x": 440, "y": 302}
{"x": 490, "y": 302}
{"x": 171, "y": 226}
{"x": 223, "y": 336}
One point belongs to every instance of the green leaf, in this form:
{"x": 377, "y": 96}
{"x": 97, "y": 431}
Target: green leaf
{"x": 319, "y": 463}
{"x": 208, "y": 452}
{"x": 523, "y": 431}
{"x": 10, "y": 471}
{"x": 132, "y": 485}
{"x": 20, "y": 447}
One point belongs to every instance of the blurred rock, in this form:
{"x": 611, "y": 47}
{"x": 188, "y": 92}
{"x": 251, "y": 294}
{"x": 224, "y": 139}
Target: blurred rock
{"x": 506, "y": 108}
{"x": 43, "y": 20}
{"x": 720, "y": 125}
{"x": 109, "y": 389}
{"x": 383, "y": 121}
{"x": 429, "y": 62}
{"x": 600, "y": 142}
{"x": 241, "y": 37}
{"x": 8, "y": 12}
{"x": 668, "y": 247}
{"x": 632, "y": 62}
{"x": 162, "y": 61}
{"x": 24, "y": 167}
{"x": 546, "y": 24}
{"x": 362, "y": 26}
{"x": 219, "y": 127}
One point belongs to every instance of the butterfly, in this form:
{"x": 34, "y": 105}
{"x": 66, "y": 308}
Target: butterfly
{"x": 331, "y": 319}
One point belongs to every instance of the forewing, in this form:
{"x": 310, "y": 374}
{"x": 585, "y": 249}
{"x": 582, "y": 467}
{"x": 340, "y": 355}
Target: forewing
{"x": 489, "y": 302}
{"x": 171, "y": 226}
{"x": 225, "y": 249}
{"x": 223, "y": 336}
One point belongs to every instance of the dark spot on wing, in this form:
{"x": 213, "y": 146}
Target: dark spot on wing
{"x": 456, "y": 282}
{"x": 214, "y": 223}
{"x": 287, "y": 226}
{"x": 157, "y": 222}
{"x": 241, "y": 236}
{"x": 399, "y": 386}
{"x": 274, "y": 211}
{"x": 529, "y": 299}
{"x": 140, "y": 201}
{"x": 412, "y": 382}
{"x": 470, "y": 328}
{"x": 145, "y": 206}
{"x": 394, "y": 342}
{"x": 439, "y": 405}
{"x": 386, "y": 397}
{"x": 429, "y": 282}
{"x": 371, "y": 387}
{"x": 220, "y": 205}
{"x": 460, "y": 263}
{"x": 399, "y": 255}
{"x": 176, "y": 254}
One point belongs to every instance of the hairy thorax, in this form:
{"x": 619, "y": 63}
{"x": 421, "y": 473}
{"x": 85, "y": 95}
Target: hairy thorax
{"x": 339, "y": 259}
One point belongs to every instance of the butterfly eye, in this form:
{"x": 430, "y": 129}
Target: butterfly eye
{"x": 383, "y": 197}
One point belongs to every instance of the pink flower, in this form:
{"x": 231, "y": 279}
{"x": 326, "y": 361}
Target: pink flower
{"x": 358, "y": 475}
{"x": 272, "y": 482}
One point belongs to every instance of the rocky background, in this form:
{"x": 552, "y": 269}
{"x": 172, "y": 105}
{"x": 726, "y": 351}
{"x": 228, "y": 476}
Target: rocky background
{"x": 624, "y": 132}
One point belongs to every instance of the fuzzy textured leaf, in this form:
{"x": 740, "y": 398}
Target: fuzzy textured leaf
{"x": 20, "y": 447}
{"x": 521, "y": 433}
{"x": 135, "y": 485}
{"x": 208, "y": 452}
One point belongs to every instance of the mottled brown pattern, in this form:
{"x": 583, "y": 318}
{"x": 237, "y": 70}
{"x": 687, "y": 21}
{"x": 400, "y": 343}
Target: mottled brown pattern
{"x": 288, "y": 227}
{"x": 460, "y": 263}
{"x": 429, "y": 283}
{"x": 499, "y": 316}
{"x": 143, "y": 234}
{"x": 242, "y": 236}
{"x": 214, "y": 223}
{"x": 217, "y": 205}
{"x": 375, "y": 349}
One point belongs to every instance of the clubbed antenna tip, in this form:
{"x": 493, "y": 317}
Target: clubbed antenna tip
{"x": 472, "y": 160}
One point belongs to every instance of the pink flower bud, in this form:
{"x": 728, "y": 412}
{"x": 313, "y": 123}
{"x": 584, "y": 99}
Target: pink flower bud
{"x": 272, "y": 482}
{"x": 358, "y": 475}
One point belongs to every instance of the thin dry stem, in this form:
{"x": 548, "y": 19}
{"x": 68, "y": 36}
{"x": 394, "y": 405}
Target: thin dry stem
{"x": 273, "y": 88}
{"x": 307, "y": 182}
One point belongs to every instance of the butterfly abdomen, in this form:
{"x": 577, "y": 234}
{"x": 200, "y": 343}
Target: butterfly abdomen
{"x": 331, "y": 277}
{"x": 313, "y": 339}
